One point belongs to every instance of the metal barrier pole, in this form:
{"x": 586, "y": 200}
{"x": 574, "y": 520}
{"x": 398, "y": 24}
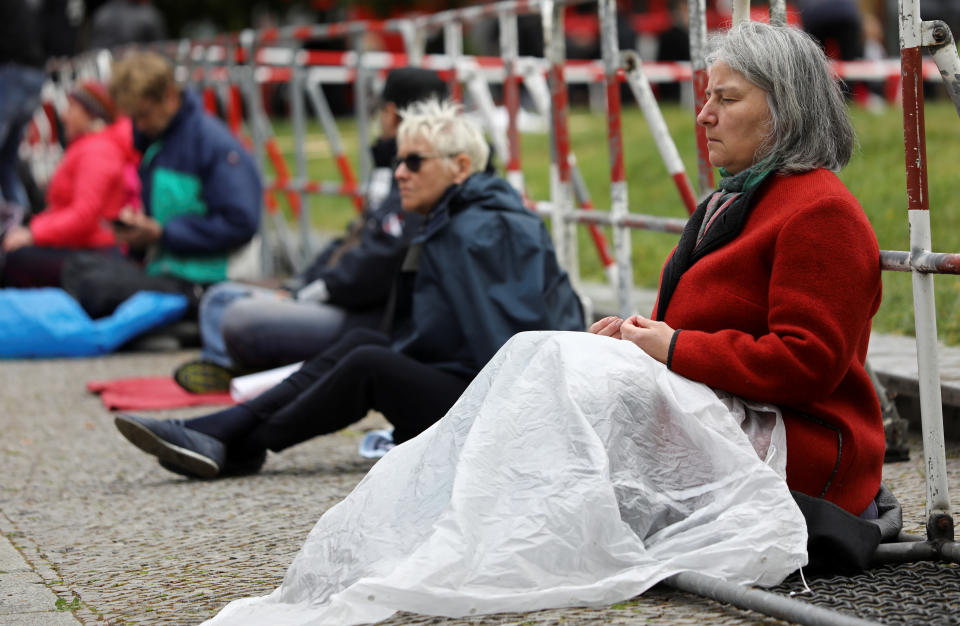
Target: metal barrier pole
{"x": 698, "y": 65}
{"x": 361, "y": 109}
{"x": 103, "y": 61}
{"x": 235, "y": 77}
{"x": 263, "y": 141}
{"x": 322, "y": 109}
{"x": 182, "y": 57}
{"x": 210, "y": 100}
{"x": 619, "y": 204}
{"x": 740, "y": 11}
{"x": 939, "y": 41}
{"x": 939, "y": 522}
{"x": 298, "y": 115}
{"x": 761, "y": 601}
{"x": 643, "y": 94}
{"x": 226, "y": 92}
{"x": 510, "y": 51}
{"x": 564, "y": 232}
{"x": 539, "y": 92}
{"x": 778, "y": 12}
{"x": 414, "y": 42}
{"x": 453, "y": 48}
{"x": 482, "y": 100}
{"x": 582, "y": 196}
{"x": 935, "y": 262}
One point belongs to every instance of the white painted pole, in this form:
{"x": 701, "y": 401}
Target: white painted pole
{"x": 741, "y": 11}
{"x": 939, "y": 522}
{"x": 778, "y": 12}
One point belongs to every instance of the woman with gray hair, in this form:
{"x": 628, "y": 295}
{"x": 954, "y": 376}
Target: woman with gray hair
{"x": 777, "y": 274}
{"x": 582, "y": 468}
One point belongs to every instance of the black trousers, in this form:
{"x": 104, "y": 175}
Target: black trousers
{"x": 100, "y": 283}
{"x": 337, "y": 388}
{"x": 40, "y": 266}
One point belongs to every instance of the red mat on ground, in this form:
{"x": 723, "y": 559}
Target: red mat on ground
{"x": 156, "y": 392}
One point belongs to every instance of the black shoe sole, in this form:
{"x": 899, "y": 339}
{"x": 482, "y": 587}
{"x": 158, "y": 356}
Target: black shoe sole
{"x": 229, "y": 470}
{"x": 189, "y": 462}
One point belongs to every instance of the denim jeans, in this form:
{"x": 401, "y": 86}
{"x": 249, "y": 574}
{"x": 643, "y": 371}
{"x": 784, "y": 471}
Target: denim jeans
{"x": 253, "y": 328}
{"x": 19, "y": 98}
{"x": 215, "y": 301}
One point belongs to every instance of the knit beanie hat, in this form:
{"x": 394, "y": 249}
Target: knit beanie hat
{"x": 93, "y": 97}
{"x": 406, "y": 85}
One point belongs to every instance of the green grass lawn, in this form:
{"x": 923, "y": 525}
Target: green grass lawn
{"x": 875, "y": 175}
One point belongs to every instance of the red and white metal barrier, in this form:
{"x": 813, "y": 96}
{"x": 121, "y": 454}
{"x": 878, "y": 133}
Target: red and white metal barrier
{"x": 912, "y": 30}
{"x": 236, "y": 66}
{"x": 561, "y": 192}
{"x": 643, "y": 94}
{"x": 273, "y": 66}
{"x": 619, "y": 202}
{"x": 698, "y": 53}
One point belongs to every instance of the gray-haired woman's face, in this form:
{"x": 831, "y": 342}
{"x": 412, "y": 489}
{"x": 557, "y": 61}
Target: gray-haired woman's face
{"x": 736, "y": 118}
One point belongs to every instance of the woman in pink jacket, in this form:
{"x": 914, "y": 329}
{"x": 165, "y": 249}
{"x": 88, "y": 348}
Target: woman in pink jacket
{"x": 95, "y": 179}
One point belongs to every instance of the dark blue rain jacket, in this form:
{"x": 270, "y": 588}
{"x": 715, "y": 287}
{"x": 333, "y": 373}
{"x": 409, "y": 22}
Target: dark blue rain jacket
{"x": 204, "y": 188}
{"x": 482, "y": 269}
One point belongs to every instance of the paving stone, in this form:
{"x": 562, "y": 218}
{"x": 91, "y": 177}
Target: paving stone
{"x": 10, "y": 560}
{"x": 97, "y": 519}
{"x": 39, "y": 619}
{"x": 24, "y": 592}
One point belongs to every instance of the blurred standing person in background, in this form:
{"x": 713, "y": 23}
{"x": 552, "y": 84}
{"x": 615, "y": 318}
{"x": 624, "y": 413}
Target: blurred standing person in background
{"x": 59, "y": 22}
{"x": 21, "y": 77}
{"x": 673, "y": 44}
{"x": 121, "y": 22}
{"x": 836, "y": 24}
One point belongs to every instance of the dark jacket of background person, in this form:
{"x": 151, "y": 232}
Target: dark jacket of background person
{"x": 836, "y": 24}
{"x": 89, "y": 187}
{"x": 21, "y": 78}
{"x": 486, "y": 269}
{"x": 20, "y": 40}
{"x": 358, "y": 269}
{"x": 203, "y": 187}
{"x": 121, "y": 22}
{"x": 782, "y": 315}
{"x": 60, "y": 21}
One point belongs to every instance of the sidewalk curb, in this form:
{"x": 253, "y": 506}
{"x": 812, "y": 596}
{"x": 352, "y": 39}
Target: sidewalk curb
{"x": 25, "y": 598}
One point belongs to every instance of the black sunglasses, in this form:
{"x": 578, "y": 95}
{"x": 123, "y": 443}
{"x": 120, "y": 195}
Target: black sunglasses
{"x": 415, "y": 160}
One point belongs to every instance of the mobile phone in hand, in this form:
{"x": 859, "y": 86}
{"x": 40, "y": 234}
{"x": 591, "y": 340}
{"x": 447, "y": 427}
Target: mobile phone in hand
{"x": 119, "y": 224}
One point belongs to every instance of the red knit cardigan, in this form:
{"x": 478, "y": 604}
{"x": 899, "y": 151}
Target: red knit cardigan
{"x": 781, "y": 314}
{"x": 89, "y": 187}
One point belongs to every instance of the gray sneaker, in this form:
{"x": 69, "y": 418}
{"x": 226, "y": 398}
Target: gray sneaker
{"x": 192, "y": 453}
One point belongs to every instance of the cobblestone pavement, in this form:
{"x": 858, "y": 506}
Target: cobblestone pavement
{"x": 119, "y": 540}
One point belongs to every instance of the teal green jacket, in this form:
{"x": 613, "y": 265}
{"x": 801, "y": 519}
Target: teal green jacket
{"x": 204, "y": 189}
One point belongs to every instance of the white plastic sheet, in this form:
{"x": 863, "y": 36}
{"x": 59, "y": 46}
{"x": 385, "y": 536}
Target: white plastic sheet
{"x": 574, "y": 471}
{"x": 243, "y": 388}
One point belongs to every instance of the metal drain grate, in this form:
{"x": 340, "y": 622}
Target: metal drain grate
{"x": 909, "y": 593}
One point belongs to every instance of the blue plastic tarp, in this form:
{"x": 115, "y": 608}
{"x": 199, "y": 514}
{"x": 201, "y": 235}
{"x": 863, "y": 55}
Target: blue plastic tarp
{"x": 48, "y": 322}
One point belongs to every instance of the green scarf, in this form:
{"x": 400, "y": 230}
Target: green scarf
{"x": 731, "y": 186}
{"x": 750, "y": 177}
